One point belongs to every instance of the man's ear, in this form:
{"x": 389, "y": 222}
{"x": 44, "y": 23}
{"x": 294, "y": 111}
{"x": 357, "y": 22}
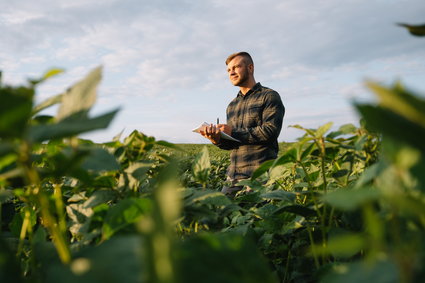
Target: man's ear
{"x": 251, "y": 68}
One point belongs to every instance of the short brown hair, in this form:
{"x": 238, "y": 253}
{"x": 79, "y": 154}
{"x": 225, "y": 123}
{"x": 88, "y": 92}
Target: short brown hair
{"x": 243, "y": 54}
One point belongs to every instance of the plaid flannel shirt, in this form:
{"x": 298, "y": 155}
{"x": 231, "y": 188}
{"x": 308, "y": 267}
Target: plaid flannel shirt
{"x": 256, "y": 120}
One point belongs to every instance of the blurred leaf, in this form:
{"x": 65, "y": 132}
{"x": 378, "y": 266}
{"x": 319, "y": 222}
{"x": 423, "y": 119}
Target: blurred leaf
{"x": 297, "y": 209}
{"x": 401, "y": 101}
{"x": 99, "y": 197}
{"x": 341, "y": 246}
{"x": 53, "y": 72}
{"x": 6, "y": 148}
{"x": 209, "y": 197}
{"x": 417, "y": 30}
{"x": 47, "y": 103}
{"x": 5, "y": 195}
{"x": 50, "y": 73}
{"x": 81, "y": 96}
{"x": 311, "y": 132}
{"x": 119, "y": 259}
{"x": 376, "y": 272}
{"x": 124, "y": 213}
{"x": 10, "y": 270}
{"x": 340, "y": 173}
{"x": 221, "y": 258}
{"x": 350, "y": 199}
{"x": 69, "y": 127}
{"x": 15, "y": 111}
{"x": 99, "y": 160}
{"x": 279, "y": 195}
{"x": 393, "y": 125}
{"x": 201, "y": 166}
{"x": 169, "y": 145}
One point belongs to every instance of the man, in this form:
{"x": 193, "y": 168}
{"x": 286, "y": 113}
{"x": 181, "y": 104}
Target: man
{"x": 254, "y": 117}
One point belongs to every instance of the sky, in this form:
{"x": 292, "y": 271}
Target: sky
{"x": 163, "y": 60}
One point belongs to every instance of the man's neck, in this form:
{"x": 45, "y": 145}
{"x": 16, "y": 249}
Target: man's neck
{"x": 247, "y": 87}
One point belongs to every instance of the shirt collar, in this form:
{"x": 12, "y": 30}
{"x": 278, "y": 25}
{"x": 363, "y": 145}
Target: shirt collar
{"x": 253, "y": 89}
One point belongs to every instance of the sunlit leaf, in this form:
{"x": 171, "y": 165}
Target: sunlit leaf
{"x": 391, "y": 124}
{"x": 321, "y": 131}
{"x": 201, "y": 166}
{"x": 47, "y": 103}
{"x": 401, "y": 101}
{"x": 80, "y": 97}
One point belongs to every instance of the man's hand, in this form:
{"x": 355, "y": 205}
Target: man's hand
{"x": 225, "y": 128}
{"x": 212, "y": 133}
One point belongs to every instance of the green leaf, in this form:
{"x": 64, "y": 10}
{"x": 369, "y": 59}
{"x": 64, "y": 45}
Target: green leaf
{"x": 289, "y": 156}
{"x": 417, "y": 30}
{"x": 15, "y": 111}
{"x": 279, "y": 195}
{"x": 351, "y": 199}
{"x": 47, "y": 103}
{"x": 99, "y": 160}
{"x": 124, "y": 213}
{"x": 120, "y": 259}
{"x": 401, "y": 101}
{"x": 263, "y": 168}
{"x": 10, "y": 270}
{"x": 343, "y": 130}
{"x": 6, "y": 148}
{"x": 208, "y": 197}
{"x": 297, "y": 209}
{"x": 321, "y": 131}
{"x": 98, "y": 197}
{"x": 309, "y": 131}
{"x": 225, "y": 258}
{"x": 341, "y": 246}
{"x": 80, "y": 97}
{"x": 50, "y": 73}
{"x": 69, "y": 127}
{"x": 378, "y": 272}
{"x": 5, "y": 195}
{"x": 307, "y": 151}
{"x": 393, "y": 125}
{"x": 202, "y": 166}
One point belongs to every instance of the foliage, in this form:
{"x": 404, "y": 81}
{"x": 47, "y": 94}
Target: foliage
{"x": 344, "y": 205}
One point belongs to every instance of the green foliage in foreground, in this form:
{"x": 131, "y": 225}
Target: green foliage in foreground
{"x": 335, "y": 206}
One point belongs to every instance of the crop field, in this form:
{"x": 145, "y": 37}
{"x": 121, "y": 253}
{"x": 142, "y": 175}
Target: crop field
{"x": 336, "y": 206}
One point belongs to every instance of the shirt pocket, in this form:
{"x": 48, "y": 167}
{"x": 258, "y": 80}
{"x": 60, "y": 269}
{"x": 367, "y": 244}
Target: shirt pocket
{"x": 254, "y": 115}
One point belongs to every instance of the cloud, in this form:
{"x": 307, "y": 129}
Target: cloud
{"x": 162, "y": 54}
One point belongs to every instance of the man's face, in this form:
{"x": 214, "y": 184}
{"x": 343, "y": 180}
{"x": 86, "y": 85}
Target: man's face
{"x": 238, "y": 71}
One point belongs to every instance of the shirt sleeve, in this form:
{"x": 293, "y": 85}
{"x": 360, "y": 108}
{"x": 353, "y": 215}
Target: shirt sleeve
{"x": 227, "y": 144}
{"x": 271, "y": 125}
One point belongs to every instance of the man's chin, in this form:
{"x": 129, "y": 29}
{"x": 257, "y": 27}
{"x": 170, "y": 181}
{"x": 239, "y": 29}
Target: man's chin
{"x": 236, "y": 82}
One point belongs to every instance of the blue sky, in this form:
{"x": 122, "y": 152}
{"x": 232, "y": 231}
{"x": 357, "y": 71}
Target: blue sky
{"x": 163, "y": 61}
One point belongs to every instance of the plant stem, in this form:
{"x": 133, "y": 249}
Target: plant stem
{"x": 24, "y": 228}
